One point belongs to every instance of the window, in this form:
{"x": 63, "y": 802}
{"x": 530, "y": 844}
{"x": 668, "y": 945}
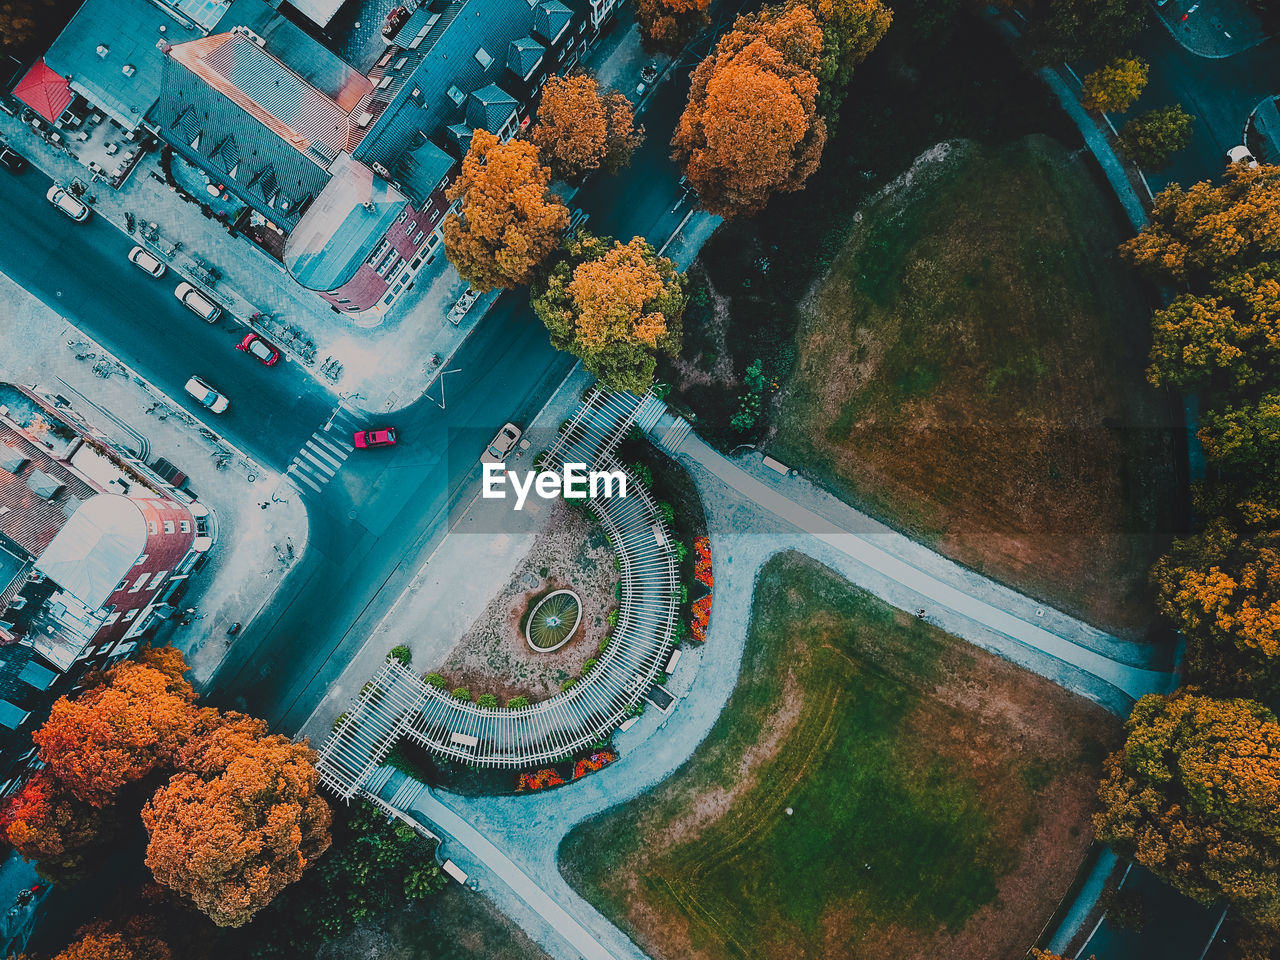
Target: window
{"x": 409, "y": 229}
{"x": 483, "y": 58}
{"x": 141, "y": 560}
{"x": 399, "y": 64}
{"x": 418, "y": 238}
{"x": 385, "y": 82}
{"x": 184, "y": 526}
{"x": 112, "y": 619}
{"x": 169, "y": 526}
{"x": 158, "y": 578}
{"x": 137, "y": 585}
{"x": 152, "y": 527}
{"x": 130, "y": 615}
{"x": 435, "y": 215}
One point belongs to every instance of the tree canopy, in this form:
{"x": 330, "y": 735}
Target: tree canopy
{"x": 667, "y": 25}
{"x": 45, "y": 823}
{"x": 240, "y": 824}
{"x": 1193, "y": 796}
{"x": 580, "y": 130}
{"x": 1114, "y": 87}
{"x": 615, "y": 306}
{"x": 1149, "y": 139}
{"x": 510, "y": 221}
{"x": 116, "y": 733}
{"x": 851, "y": 29}
{"x": 752, "y": 128}
{"x": 1074, "y": 29}
{"x": 99, "y": 941}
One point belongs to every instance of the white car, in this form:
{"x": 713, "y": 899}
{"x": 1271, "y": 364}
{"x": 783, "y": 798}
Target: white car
{"x": 502, "y": 444}
{"x": 197, "y": 302}
{"x": 68, "y": 204}
{"x": 206, "y": 396}
{"x": 1241, "y": 154}
{"x": 146, "y": 262}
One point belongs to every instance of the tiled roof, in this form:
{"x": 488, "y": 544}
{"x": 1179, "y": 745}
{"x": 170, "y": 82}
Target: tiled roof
{"x": 489, "y": 108}
{"x": 446, "y": 58}
{"x": 550, "y": 19}
{"x": 523, "y": 55}
{"x": 267, "y": 90}
{"x": 421, "y": 169}
{"x": 30, "y": 520}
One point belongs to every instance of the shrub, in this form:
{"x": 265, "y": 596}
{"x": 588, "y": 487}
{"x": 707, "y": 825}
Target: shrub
{"x": 486, "y": 700}
{"x": 461, "y": 693}
{"x": 604, "y": 644}
{"x": 668, "y": 512}
{"x": 567, "y": 684}
{"x": 435, "y": 680}
{"x": 342, "y": 718}
{"x": 401, "y": 653}
{"x": 661, "y": 678}
{"x": 681, "y": 550}
{"x": 515, "y": 703}
{"x": 643, "y": 473}
{"x": 587, "y": 665}
{"x": 613, "y": 617}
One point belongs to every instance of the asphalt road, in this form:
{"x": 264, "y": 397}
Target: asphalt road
{"x": 82, "y": 271}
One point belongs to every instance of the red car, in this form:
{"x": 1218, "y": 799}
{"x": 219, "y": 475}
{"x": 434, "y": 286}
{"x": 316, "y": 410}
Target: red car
{"x": 259, "y": 349}
{"x": 380, "y": 437}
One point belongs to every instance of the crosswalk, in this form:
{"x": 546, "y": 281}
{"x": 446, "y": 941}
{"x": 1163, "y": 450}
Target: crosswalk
{"x": 322, "y": 456}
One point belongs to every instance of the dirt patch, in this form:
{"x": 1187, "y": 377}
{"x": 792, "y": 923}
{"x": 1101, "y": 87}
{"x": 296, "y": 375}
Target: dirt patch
{"x": 572, "y": 553}
{"x": 971, "y": 371}
{"x": 875, "y": 788}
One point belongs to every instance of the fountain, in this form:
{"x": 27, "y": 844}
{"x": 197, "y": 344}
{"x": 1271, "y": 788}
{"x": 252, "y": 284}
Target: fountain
{"x": 553, "y": 621}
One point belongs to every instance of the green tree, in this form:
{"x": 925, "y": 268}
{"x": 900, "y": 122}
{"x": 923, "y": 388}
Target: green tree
{"x": 1193, "y": 338}
{"x": 614, "y": 306}
{"x": 1150, "y": 138}
{"x": 851, "y": 29}
{"x": 1245, "y": 437}
{"x": 1071, "y": 29}
{"x": 1193, "y": 796}
{"x": 1114, "y": 87}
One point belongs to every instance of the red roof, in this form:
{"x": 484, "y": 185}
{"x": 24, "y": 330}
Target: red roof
{"x": 44, "y": 91}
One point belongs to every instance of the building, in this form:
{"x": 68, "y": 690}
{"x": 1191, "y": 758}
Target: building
{"x": 92, "y": 545}
{"x": 352, "y": 167}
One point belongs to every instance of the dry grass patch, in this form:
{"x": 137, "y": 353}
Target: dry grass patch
{"x": 971, "y": 371}
{"x": 939, "y": 796}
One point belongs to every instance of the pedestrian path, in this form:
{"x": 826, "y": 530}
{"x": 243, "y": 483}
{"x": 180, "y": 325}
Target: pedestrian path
{"x": 322, "y": 456}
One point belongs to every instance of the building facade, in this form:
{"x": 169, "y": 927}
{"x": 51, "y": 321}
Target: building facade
{"x": 92, "y": 545}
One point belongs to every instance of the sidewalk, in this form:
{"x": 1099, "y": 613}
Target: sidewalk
{"x": 250, "y": 557}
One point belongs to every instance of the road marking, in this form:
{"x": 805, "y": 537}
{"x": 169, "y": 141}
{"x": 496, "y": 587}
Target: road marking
{"x": 324, "y": 453}
{"x": 313, "y": 451}
{"x": 297, "y": 474}
{"x": 315, "y": 464}
{"x": 333, "y": 449}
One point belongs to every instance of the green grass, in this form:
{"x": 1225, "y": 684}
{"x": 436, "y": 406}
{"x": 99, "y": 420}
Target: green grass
{"x": 887, "y": 828}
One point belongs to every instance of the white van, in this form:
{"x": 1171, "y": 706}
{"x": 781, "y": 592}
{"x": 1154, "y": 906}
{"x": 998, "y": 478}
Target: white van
{"x": 197, "y": 302}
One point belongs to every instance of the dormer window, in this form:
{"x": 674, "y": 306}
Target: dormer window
{"x": 483, "y": 58}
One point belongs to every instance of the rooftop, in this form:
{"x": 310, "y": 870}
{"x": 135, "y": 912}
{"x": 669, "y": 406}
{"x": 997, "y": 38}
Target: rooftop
{"x": 95, "y": 550}
{"x": 351, "y": 214}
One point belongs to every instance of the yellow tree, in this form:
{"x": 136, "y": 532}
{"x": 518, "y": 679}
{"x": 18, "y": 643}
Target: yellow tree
{"x": 579, "y": 130}
{"x": 510, "y": 222}
{"x": 1115, "y": 86}
{"x": 751, "y": 128}
{"x": 98, "y": 941}
{"x": 1193, "y": 797}
{"x": 241, "y": 823}
{"x": 850, "y": 31}
{"x": 615, "y": 306}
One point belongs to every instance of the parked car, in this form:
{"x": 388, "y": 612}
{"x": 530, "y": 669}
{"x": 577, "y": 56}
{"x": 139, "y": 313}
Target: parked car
{"x": 146, "y": 262}
{"x": 377, "y": 437}
{"x": 259, "y": 349}
{"x": 12, "y": 160}
{"x": 1241, "y": 154}
{"x": 502, "y": 445}
{"x": 197, "y": 302}
{"x": 68, "y": 204}
{"x": 206, "y": 396}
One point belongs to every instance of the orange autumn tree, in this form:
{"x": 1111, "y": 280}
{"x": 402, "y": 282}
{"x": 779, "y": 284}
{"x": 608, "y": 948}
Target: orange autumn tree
{"x": 580, "y": 130}
{"x": 241, "y": 823}
{"x": 510, "y": 221}
{"x": 98, "y": 941}
{"x": 751, "y": 128}
{"x": 43, "y": 822}
{"x": 119, "y": 732}
{"x": 667, "y": 25}
{"x": 1193, "y": 797}
{"x": 615, "y": 306}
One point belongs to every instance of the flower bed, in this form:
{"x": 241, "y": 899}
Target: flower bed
{"x": 538, "y": 780}
{"x": 597, "y": 761}
{"x": 702, "y": 561}
{"x": 702, "y": 573}
{"x": 701, "y": 619}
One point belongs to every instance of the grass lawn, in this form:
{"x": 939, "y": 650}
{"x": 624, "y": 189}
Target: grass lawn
{"x": 454, "y": 925}
{"x": 940, "y": 796}
{"x": 971, "y": 370}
